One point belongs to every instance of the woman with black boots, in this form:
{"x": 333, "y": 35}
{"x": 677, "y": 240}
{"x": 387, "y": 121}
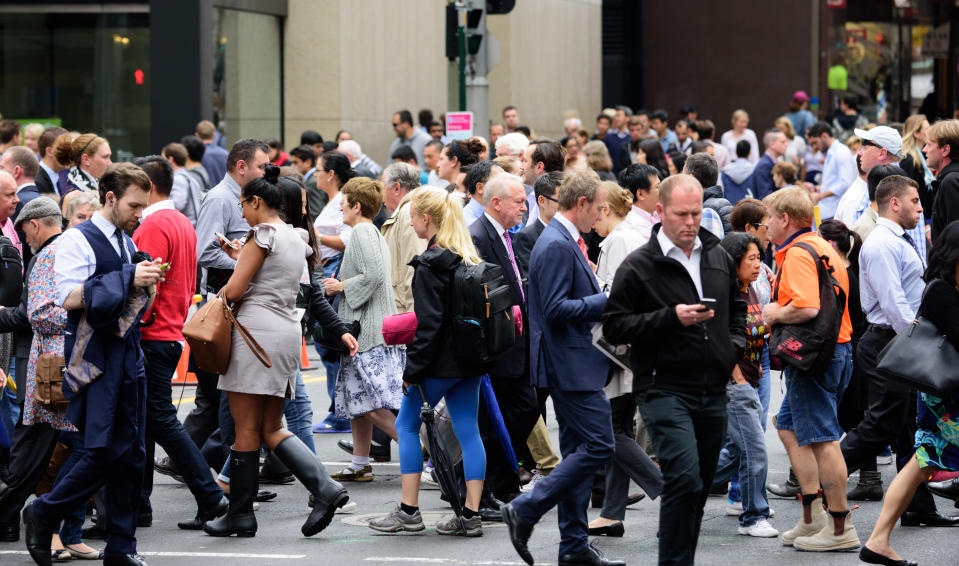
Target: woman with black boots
{"x": 264, "y": 287}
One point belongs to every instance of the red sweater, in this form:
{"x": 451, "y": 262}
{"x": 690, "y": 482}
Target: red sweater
{"x": 168, "y": 234}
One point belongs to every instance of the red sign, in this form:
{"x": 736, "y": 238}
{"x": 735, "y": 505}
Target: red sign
{"x": 459, "y": 125}
{"x": 836, "y": 3}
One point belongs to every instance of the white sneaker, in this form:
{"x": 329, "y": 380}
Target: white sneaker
{"x": 532, "y": 483}
{"x": 427, "y": 478}
{"x": 733, "y": 509}
{"x": 348, "y": 508}
{"x": 760, "y": 528}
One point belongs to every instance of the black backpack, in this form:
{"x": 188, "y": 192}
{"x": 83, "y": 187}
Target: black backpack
{"x": 809, "y": 346}
{"x": 481, "y": 306}
{"x": 11, "y": 273}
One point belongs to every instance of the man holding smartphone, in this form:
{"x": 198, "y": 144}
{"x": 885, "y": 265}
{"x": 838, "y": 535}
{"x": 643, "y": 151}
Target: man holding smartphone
{"x": 687, "y": 330}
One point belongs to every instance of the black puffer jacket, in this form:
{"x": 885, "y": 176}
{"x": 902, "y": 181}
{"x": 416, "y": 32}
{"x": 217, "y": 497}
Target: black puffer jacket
{"x": 431, "y": 353}
{"x": 714, "y": 198}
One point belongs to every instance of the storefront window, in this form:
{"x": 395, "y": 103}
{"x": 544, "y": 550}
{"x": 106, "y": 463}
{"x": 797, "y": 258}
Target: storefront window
{"x": 87, "y": 72}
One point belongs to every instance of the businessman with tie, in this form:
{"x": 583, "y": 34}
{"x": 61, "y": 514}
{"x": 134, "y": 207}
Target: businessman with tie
{"x": 564, "y": 299}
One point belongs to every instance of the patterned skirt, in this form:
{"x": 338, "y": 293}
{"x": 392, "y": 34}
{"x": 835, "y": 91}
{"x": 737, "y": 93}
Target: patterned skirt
{"x": 370, "y": 380}
{"x": 937, "y": 440}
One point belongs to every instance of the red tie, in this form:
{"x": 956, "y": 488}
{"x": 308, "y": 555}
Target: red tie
{"x": 582, "y": 247}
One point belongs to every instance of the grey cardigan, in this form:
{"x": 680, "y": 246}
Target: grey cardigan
{"x": 367, "y": 288}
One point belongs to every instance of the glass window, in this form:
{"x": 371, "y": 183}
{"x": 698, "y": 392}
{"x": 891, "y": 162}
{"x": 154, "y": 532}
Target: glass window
{"x": 89, "y": 71}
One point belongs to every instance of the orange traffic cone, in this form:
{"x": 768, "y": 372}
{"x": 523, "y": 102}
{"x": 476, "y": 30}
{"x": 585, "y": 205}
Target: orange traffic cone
{"x": 304, "y": 358}
{"x": 183, "y": 376}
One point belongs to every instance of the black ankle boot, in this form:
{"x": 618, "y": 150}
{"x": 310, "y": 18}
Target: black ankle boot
{"x": 328, "y": 495}
{"x": 244, "y": 483}
{"x": 869, "y": 487}
{"x": 787, "y": 489}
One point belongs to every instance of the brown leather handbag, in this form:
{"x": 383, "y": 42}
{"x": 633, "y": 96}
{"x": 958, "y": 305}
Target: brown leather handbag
{"x": 209, "y": 335}
{"x": 49, "y": 381}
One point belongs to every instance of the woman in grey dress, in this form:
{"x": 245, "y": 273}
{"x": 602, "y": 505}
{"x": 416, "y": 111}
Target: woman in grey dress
{"x": 263, "y": 288}
{"x": 369, "y": 386}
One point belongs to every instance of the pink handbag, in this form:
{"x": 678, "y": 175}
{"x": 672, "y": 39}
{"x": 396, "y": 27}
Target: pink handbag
{"x": 401, "y": 328}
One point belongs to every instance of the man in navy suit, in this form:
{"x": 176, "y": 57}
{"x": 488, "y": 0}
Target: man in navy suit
{"x": 504, "y": 202}
{"x": 564, "y": 299}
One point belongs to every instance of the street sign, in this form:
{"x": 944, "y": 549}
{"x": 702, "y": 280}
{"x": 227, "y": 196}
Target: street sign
{"x": 459, "y": 125}
{"x": 936, "y": 42}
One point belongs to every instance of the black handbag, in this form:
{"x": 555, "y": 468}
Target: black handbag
{"x": 923, "y": 358}
{"x": 809, "y": 346}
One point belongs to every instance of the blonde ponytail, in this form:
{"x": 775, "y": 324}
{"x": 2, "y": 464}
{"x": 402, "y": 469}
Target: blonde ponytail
{"x": 446, "y": 212}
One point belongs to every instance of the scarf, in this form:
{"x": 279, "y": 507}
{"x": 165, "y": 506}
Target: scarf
{"x": 83, "y": 181}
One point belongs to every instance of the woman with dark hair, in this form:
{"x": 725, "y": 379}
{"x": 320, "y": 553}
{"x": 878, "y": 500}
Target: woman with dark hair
{"x": 651, "y": 153}
{"x": 456, "y": 155}
{"x": 937, "y": 440}
{"x": 745, "y": 448}
{"x": 332, "y": 172}
{"x": 263, "y": 289}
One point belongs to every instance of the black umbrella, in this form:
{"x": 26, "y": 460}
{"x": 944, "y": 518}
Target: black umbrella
{"x": 443, "y": 467}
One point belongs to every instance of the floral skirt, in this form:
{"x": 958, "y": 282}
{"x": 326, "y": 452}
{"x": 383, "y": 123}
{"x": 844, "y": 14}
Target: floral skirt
{"x": 370, "y": 380}
{"x": 937, "y": 440}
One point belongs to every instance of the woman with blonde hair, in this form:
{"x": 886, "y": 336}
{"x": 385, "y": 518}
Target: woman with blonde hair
{"x": 914, "y": 162}
{"x": 87, "y": 156}
{"x": 598, "y": 159}
{"x": 79, "y": 206}
{"x": 740, "y": 131}
{"x": 796, "y": 146}
{"x": 432, "y": 367}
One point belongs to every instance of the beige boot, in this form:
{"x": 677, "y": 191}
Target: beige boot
{"x": 809, "y": 524}
{"x": 837, "y": 535}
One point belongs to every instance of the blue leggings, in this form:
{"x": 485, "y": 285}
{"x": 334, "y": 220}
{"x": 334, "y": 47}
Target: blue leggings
{"x": 462, "y": 402}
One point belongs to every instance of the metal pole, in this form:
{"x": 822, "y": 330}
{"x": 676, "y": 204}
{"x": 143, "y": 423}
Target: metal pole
{"x": 477, "y": 85}
{"x": 461, "y": 42}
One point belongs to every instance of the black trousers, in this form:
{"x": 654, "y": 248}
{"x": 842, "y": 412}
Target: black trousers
{"x": 889, "y": 419}
{"x": 30, "y": 451}
{"x": 688, "y": 432}
{"x": 203, "y": 419}
{"x": 520, "y": 408}
{"x": 163, "y": 427}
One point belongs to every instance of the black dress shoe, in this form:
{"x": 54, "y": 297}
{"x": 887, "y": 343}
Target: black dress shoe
{"x": 490, "y": 515}
{"x": 948, "y": 489}
{"x": 204, "y": 515}
{"x": 519, "y": 532}
{"x": 38, "y": 537}
{"x": 615, "y": 530}
{"x": 277, "y": 479}
{"x": 378, "y": 452}
{"x": 914, "y": 519}
{"x": 145, "y": 519}
{"x": 264, "y": 495}
{"x": 590, "y": 556}
{"x": 635, "y": 498}
{"x": 9, "y": 533}
{"x": 166, "y": 467}
{"x": 597, "y": 498}
{"x": 124, "y": 560}
{"x": 870, "y": 557}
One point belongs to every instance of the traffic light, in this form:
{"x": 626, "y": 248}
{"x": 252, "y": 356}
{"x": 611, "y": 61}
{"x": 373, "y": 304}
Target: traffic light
{"x": 494, "y": 7}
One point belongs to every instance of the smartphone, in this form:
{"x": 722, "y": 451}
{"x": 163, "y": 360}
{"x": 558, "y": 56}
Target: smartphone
{"x": 708, "y": 304}
{"x": 223, "y": 239}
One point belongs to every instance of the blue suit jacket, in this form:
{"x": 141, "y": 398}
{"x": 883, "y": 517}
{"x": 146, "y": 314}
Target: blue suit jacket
{"x": 563, "y": 300}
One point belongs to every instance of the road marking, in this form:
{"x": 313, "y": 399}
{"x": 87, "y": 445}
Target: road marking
{"x": 447, "y": 561}
{"x": 196, "y": 554}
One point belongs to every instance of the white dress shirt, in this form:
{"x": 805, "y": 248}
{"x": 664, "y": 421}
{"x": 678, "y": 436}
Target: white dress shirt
{"x": 614, "y": 248}
{"x": 565, "y": 223}
{"x": 838, "y": 173}
{"x": 497, "y": 227}
{"x": 691, "y": 263}
{"x": 642, "y": 222}
{"x": 161, "y": 205}
{"x": 329, "y": 222}
{"x": 848, "y": 208}
{"x": 75, "y": 260}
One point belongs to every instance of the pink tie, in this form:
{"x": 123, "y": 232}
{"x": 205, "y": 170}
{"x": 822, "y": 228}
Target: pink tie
{"x": 582, "y": 247}
{"x": 512, "y": 260}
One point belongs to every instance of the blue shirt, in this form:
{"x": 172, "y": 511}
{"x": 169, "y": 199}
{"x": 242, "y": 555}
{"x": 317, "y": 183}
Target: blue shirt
{"x": 219, "y": 213}
{"x": 712, "y": 222}
{"x": 918, "y": 234}
{"x": 890, "y": 277}
{"x": 838, "y": 172}
{"x": 669, "y": 140}
{"x": 472, "y": 211}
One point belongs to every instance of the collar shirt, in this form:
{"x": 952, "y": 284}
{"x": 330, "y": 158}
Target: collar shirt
{"x": 498, "y": 228}
{"x": 472, "y": 211}
{"x": 642, "y": 222}
{"x": 890, "y": 273}
{"x": 838, "y": 173}
{"x": 566, "y": 223}
{"x": 162, "y": 205}
{"x": 75, "y": 260}
{"x": 690, "y": 264}
{"x": 330, "y": 223}
{"x": 851, "y": 205}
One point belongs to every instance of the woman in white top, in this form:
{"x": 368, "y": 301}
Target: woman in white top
{"x": 730, "y": 138}
{"x": 629, "y": 462}
{"x": 796, "y": 147}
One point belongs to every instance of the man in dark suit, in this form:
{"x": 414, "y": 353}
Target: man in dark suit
{"x": 48, "y": 178}
{"x": 545, "y": 192}
{"x": 564, "y": 299}
{"x": 504, "y": 201}
{"x": 23, "y": 165}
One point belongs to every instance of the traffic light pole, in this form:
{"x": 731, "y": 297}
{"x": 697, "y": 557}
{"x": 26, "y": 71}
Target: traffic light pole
{"x": 461, "y": 44}
{"x": 477, "y": 85}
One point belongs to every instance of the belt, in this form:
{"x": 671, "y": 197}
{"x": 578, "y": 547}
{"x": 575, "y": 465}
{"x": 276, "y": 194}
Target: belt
{"x": 882, "y": 328}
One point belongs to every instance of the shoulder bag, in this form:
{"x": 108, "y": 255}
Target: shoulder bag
{"x": 49, "y": 380}
{"x": 809, "y": 346}
{"x": 209, "y": 335}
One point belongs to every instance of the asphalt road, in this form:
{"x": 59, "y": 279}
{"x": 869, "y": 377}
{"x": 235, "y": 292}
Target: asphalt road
{"x": 349, "y": 541}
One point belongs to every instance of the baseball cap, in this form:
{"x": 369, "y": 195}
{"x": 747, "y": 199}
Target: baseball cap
{"x": 801, "y": 95}
{"x": 40, "y": 207}
{"x": 885, "y": 137}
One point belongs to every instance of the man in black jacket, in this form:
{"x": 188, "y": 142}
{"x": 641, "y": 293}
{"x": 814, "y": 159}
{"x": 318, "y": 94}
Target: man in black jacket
{"x": 942, "y": 155}
{"x": 504, "y": 202}
{"x": 683, "y": 353}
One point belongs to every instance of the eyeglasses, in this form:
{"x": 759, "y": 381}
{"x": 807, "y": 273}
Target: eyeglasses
{"x": 757, "y": 225}
{"x": 551, "y": 199}
{"x": 395, "y": 124}
{"x": 242, "y": 202}
{"x": 871, "y": 143}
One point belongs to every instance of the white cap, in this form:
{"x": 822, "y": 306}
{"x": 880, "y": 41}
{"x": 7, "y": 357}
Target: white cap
{"x": 885, "y": 137}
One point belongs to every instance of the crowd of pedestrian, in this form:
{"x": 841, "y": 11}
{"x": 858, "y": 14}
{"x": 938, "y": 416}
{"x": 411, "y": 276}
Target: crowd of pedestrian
{"x": 650, "y": 278}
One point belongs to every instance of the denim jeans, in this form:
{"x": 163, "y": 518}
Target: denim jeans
{"x": 735, "y": 494}
{"x": 164, "y": 428}
{"x": 745, "y": 452}
{"x": 332, "y": 368}
{"x": 9, "y": 407}
{"x": 70, "y": 529}
{"x": 809, "y": 409}
{"x": 299, "y": 414}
